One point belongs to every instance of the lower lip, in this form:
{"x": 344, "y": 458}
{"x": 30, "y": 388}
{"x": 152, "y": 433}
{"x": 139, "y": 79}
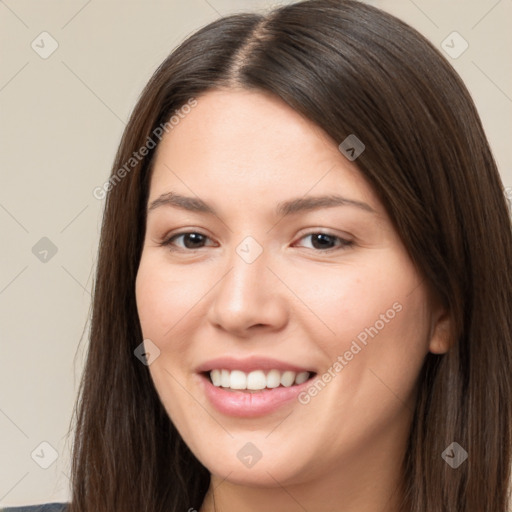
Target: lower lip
{"x": 248, "y": 405}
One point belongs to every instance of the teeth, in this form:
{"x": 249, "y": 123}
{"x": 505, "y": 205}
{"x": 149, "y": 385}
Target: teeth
{"x": 238, "y": 380}
{"x": 287, "y": 379}
{"x": 273, "y": 378}
{"x": 301, "y": 377}
{"x": 224, "y": 379}
{"x": 256, "y": 379}
{"x": 216, "y": 377}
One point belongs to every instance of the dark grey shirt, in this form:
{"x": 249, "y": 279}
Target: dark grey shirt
{"x": 45, "y": 507}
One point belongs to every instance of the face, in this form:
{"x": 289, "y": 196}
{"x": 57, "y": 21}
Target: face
{"x": 268, "y": 286}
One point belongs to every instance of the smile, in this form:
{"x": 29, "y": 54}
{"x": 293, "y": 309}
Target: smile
{"x": 243, "y": 402}
{"x": 256, "y": 380}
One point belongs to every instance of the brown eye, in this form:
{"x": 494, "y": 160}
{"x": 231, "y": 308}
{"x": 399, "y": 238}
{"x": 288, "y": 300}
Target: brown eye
{"x": 191, "y": 240}
{"x": 326, "y": 241}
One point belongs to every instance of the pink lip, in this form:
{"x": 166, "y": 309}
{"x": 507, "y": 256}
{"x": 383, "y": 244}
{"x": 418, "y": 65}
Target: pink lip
{"x": 249, "y": 364}
{"x": 242, "y": 404}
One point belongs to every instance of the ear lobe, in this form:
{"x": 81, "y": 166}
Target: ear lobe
{"x": 441, "y": 333}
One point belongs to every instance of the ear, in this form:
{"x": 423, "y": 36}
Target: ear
{"x": 441, "y": 330}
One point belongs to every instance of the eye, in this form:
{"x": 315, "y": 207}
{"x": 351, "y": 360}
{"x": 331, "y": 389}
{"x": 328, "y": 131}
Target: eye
{"x": 191, "y": 240}
{"x": 319, "y": 241}
{"x": 324, "y": 241}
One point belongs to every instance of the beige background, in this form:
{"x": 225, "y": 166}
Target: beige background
{"x": 61, "y": 122}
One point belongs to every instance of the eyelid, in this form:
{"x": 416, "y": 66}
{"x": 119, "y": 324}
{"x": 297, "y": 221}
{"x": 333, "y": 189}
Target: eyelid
{"x": 346, "y": 242}
{"x": 166, "y": 241}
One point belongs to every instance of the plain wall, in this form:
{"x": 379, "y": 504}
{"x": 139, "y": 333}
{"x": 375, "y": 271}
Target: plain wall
{"x": 61, "y": 121}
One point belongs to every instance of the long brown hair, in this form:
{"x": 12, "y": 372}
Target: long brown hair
{"x": 351, "y": 69}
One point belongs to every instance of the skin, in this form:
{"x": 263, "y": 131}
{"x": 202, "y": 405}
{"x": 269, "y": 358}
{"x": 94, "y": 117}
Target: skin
{"x": 243, "y": 152}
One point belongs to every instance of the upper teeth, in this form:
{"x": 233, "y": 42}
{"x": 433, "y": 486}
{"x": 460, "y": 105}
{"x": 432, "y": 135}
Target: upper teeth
{"x": 257, "y": 379}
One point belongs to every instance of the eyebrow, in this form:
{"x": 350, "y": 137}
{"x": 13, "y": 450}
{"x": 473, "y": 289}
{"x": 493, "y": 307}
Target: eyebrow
{"x": 284, "y": 208}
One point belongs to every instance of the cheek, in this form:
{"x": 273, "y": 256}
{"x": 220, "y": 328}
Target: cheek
{"x": 165, "y": 298}
{"x": 373, "y": 331}
{"x": 374, "y": 316}
{"x": 166, "y": 304}
{"x": 345, "y": 300}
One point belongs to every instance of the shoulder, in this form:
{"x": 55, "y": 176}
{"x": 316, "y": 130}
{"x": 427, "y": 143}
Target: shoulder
{"x": 46, "y": 507}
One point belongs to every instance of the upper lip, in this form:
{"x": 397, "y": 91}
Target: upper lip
{"x": 249, "y": 364}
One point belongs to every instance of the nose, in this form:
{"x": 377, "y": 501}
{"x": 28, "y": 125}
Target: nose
{"x": 249, "y": 297}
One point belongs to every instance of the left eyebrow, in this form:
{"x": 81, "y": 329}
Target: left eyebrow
{"x": 314, "y": 202}
{"x": 283, "y": 208}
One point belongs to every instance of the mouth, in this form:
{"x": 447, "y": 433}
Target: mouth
{"x": 228, "y": 391}
{"x": 254, "y": 386}
{"x": 256, "y": 381}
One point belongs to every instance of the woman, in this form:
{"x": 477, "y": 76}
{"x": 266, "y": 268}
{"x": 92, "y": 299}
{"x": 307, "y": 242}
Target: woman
{"x": 303, "y": 293}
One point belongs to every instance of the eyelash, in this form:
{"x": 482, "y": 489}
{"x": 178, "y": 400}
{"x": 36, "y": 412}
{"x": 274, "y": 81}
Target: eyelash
{"x": 344, "y": 244}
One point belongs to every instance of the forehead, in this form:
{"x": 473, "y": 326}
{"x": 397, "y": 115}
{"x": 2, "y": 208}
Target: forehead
{"x": 237, "y": 142}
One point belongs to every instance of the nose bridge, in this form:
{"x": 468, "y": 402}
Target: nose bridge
{"x": 248, "y": 264}
{"x": 244, "y": 296}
